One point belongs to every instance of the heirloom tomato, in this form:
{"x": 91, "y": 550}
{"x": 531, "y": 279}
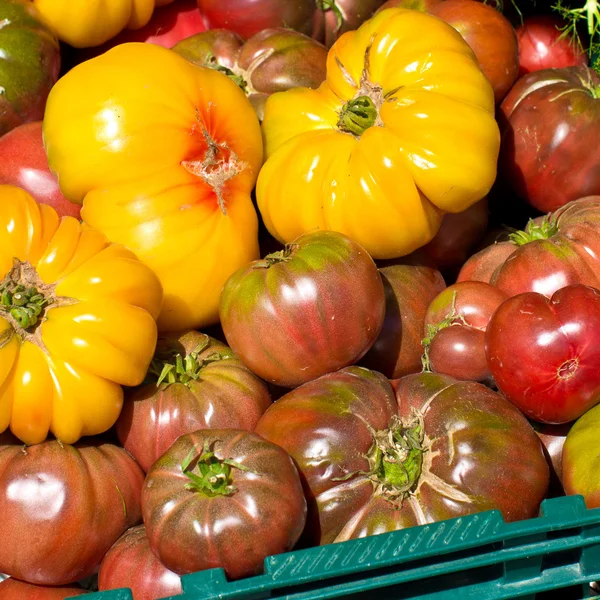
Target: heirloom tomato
{"x": 553, "y": 438}
{"x": 165, "y": 157}
{"x": 130, "y": 563}
{"x": 408, "y": 291}
{"x": 312, "y": 308}
{"x": 63, "y": 507}
{"x": 271, "y": 61}
{"x": 29, "y": 63}
{"x": 551, "y": 124}
{"x": 222, "y": 498}
{"x": 12, "y": 589}
{"x": 552, "y": 252}
{"x": 455, "y": 326}
{"x": 81, "y": 23}
{"x": 194, "y": 382}
{"x": 542, "y": 352}
{"x": 401, "y": 131}
{"x": 375, "y": 461}
{"x": 77, "y": 321}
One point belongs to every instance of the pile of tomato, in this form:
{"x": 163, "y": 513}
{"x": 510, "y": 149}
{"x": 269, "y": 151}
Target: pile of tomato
{"x": 277, "y": 274}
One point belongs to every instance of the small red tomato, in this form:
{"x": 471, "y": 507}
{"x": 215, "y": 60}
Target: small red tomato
{"x": 543, "y": 355}
{"x": 11, "y": 589}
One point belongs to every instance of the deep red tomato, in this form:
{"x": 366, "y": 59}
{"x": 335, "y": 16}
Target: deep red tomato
{"x": 130, "y": 563}
{"x": 273, "y": 60}
{"x": 408, "y": 291}
{"x": 542, "y": 45}
{"x": 543, "y": 355}
{"x": 11, "y": 589}
{"x": 376, "y": 461}
{"x": 313, "y": 308}
{"x": 551, "y": 124}
{"x": 554, "y": 251}
{"x": 63, "y": 507}
{"x": 202, "y": 385}
{"x": 222, "y": 498}
{"x": 454, "y": 330}
{"x": 23, "y": 162}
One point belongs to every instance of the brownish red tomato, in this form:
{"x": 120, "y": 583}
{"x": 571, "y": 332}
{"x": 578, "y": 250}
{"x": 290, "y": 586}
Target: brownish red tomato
{"x": 63, "y": 507}
{"x": 202, "y": 385}
{"x": 130, "y": 563}
{"x": 11, "y": 589}
{"x": 23, "y": 162}
{"x": 551, "y": 124}
{"x": 375, "y": 460}
{"x": 313, "y": 308}
{"x": 408, "y": 291}
{"x": 542, "y": 352}
{"x": 553, "y": 438}
{"x": 222, "y": 498}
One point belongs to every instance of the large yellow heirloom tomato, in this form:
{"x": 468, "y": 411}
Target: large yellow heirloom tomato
{"x": 77, "y": 321}
{"x": 85, "y": 23}
{"x": 401, "y": 131}
{"x": 164, "y": 155}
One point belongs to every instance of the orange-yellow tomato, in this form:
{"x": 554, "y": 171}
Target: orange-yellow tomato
{"x": 164, "y": 155}
{"x": 77, "y": 321}
{"x": 401, "y": 132}
{"x": 86, "y": 23}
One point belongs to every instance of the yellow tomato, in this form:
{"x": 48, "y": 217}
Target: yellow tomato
{"x": 164, "y": 156}
{"x": 77, "y": 321}
{"x": 401, "y": 131}
{"x": 86, "y": 23}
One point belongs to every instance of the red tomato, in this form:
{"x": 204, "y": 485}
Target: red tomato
{"x": 23, "y": 162}
{"x": 313, "y": 308}
{"x": 376, "y": 461}
{"x": 482, "y": 265}
{"x": 11, "y": 589}
{"x": 222, "y": 498}
{"x": 542, "y": 352}
{"x": 551, "y": 124}
{"x": 203, "y": 385}
{"x": 553, "y": 438}
{"x": 543, "y": 46}
{"x": 130, "y": 563}
{"x": 63, "y": 507}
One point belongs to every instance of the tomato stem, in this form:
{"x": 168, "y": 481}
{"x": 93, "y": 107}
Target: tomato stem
{"x": 274, "y": 258}
{"x": 590, "y": 13}
{"x": 212, "y": 63}
{"x": 357, "y": 116}
{"x": 330, "y": 5}
{"x": 542, "y": 230}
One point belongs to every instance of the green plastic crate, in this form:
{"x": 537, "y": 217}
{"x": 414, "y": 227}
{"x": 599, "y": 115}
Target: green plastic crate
{"x": 479, "y": 556}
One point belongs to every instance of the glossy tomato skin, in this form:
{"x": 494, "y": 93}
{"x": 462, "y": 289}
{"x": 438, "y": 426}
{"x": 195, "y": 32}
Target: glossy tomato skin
{"x": 542, "y": 352}
{"x": 223, "y": 393}
{"x": 319, "y": 307}
{"x": 12, "y": 589}
{"x": 408, "y": 292}
{"x": 551, "y": 121}
{"x": 263, "y": 515}
{"x": 541, "y": 45}
{"x": 88, "y": 494}
{"x": 23, "y": 162}
{"x": 464, "y": 469}
{"x": 482, "y": 265}
{"x": 553, "y": 438}
{"x": 130, "y": 563}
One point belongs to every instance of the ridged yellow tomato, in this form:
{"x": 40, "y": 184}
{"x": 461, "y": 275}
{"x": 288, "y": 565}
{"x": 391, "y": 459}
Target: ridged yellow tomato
{"x": 165, "y": 154}
{"x": 86, "y": 23}
{"x": 401, "y": 131}
{"x": 77, "y": 321}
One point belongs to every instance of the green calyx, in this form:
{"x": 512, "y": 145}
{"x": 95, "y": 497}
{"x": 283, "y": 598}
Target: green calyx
{"x": 208, "y": 474}
{"x": 330, "y": 5}
{"x": 211, "y": 63}
{"x": 543, "y": 230}
{"x": 357, "y": 116}
{"x": 274, "y": 258}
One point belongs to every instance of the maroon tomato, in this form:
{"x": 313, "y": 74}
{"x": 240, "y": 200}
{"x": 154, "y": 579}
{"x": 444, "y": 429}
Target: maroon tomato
{"x": 11, "y": 589}
{"x": 130, "y": 563}
{"x": 273, "y": 60}
{"x": 483, "y": 264}
{"x": 542, "y": 352}
{"x": 63, "y": 507}
{"x": 222, "y": 498}
{"x": 194, "y": 382}
{"x": 551, "y": 124}
{"x": 408, "y": 292}
{"x": 542, "y": 45}
{"x": 455, "y": 326}
{"x": 23, "y": 162}
{"x": 553, "y": 438}
{"x": 313, "y": 308}
{"x": 374, "y": 461}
